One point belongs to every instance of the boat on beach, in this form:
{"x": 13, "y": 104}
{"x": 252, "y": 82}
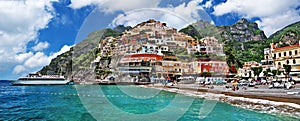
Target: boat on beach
{"x": 37, "y": 79}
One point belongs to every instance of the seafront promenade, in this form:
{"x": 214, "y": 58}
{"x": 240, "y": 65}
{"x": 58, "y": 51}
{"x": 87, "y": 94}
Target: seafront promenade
{"x": 257, "y": 92}
{"x": 259, "y": 97}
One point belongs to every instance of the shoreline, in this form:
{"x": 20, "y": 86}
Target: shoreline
{"x": 274, "y": 101}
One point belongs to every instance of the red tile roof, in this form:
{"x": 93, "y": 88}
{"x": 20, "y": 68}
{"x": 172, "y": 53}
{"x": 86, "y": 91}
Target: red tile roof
{"x": 158, "y": 57}
{"x": 287, "y": 47}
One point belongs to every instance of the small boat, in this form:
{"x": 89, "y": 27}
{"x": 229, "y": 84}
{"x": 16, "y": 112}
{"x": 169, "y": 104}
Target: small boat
{"x": 37, "y": 79}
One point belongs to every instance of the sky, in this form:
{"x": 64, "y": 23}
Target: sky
{"x": 33, "y": 32}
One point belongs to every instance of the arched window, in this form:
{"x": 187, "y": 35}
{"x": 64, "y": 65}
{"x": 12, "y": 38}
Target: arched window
{"x": 284, "y": 54}
{"x": 287, "y": 61}
{"x": 294, "y": 61}
{"x": 279, "y": 63}
{"x": 290, "y": 53}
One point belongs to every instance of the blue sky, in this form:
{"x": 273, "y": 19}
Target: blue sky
{"x": 34, "y": 32}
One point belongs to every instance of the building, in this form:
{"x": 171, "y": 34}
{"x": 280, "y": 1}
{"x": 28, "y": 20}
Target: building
{"x": 138, "y": 64}
{"x": 246, "y": 70}
{"x": 211, "y": 67}
{"x": 288, "y": 55}
{"x": 268, "y": 60}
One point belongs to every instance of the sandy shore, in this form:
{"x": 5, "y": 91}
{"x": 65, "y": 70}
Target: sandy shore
{"x": 257, "y": 98}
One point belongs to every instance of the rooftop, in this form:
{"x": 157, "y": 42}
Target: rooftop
{"x": 287, "y": 47}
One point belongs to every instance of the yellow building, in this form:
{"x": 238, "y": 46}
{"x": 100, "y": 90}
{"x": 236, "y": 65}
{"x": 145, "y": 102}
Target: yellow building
{"x": 288, "y": 55}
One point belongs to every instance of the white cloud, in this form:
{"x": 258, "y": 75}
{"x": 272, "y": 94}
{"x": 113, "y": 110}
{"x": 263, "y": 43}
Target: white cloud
{"x": 77, "y": 4}
{"x": 22, "y": 57}
{"x": 208, "y": 4}
{"x": 125, "y": 5}
{"x": 177, "y": 17}
{"x": 18, "y": 69}
{"x": 40, "y": 46}
{"x": 274, "y": 14}
{"x": 109, "y": 6}
{"x": 19, "y": 24}
{"x": 64, "y": 49}
{"x": 33, "y": 62}
{"x": 136, "y": 11}
{"x": 37, "y": 60}
{"x": 274, "y": 23}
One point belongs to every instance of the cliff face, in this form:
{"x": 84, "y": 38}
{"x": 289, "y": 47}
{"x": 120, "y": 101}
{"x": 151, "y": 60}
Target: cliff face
{"x": 243, "y": 41}
{"x": 242, "y": 31}
{"x": 75, "y": 63}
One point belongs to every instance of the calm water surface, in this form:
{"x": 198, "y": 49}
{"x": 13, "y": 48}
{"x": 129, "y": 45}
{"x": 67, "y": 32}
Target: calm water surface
{"x": 94, "y": 102}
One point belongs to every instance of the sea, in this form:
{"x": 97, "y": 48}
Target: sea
{"x": 117, "y": 102}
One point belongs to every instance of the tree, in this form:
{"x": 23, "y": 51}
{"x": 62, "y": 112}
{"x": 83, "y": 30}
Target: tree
{"x": 256, "y": 70}
{"x": 275, "y": 72}
{"x": 287, "y": 70}
{"x": 266, "y": 72}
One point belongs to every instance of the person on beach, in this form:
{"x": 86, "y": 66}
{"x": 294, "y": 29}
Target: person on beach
{"x": 235, "y": 85}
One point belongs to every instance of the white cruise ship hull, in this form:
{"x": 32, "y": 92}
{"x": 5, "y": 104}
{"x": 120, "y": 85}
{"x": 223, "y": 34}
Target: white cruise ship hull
{"x": 40, "y": 82}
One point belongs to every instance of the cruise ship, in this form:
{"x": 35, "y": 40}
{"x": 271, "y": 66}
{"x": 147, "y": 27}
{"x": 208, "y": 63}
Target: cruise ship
{"x": 37, "y": 79}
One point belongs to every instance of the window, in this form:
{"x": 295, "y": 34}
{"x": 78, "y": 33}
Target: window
{"x": 296, "y": 52}
{"x": 279, "y": 63}
{"x": 294, "y": 61}
{"x": 284, "y": 54}
{"x": 287, "y": 61}
{"x": 290, "y": 53}
{"x": 274, "y": 56}
{"x": 279, "y": 54}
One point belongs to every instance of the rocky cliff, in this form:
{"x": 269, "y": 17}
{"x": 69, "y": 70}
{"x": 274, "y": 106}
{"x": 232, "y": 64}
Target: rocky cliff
{"x": 75, "y": 63}
{"x": 243, "y": 41}
{"x": 242, "y": 31}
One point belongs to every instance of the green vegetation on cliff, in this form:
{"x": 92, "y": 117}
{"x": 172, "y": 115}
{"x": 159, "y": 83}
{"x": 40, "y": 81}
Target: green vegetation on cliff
{"x": 79, "y": 57}
{"x": 243, "y": 41}
{"x": 286, "y": 36}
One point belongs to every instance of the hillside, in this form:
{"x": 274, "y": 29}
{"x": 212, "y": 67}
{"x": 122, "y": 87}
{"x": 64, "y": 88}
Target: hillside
{"x": 243, "y": 41}
{"x": 79, "y": 57}
{"x": 286, "y": 36}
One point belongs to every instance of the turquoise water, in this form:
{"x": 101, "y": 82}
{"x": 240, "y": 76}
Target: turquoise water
{"x": 94, "y": 102}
